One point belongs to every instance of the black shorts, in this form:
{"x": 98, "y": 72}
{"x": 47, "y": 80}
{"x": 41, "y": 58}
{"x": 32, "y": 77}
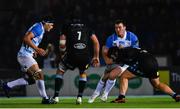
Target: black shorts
{"x": 71, "y": 62}
{"x": 145, "y": 66}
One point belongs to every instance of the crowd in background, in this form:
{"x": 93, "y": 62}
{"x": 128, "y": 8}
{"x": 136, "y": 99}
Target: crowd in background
{"x": 155, "y": 22}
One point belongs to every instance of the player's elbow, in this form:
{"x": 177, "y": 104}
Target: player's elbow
{"x": 26, "y": 39}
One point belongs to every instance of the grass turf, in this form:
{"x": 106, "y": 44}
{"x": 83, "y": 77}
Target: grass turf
{"x": 69, "y": 102}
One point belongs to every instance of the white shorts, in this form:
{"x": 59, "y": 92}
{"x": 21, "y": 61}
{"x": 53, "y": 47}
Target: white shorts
{"x": 26, "y": 62}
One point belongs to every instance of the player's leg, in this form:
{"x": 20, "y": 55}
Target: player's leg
{"x": 99, "y": 87}
{"x": 9, "y": 85}
{"x": 25, "y": 63}
{"x": 123, "y": 86}
{"x": 101, "y": 83}
{"x": 37, "y": 74}
{"x": 82, "y": 65}
{"x": 82, "y": 86}
{"x": 165, "y": 88}
{"x": 116, "y": 72}
{"x": 110, "y": 82}
{"x": 59, "y": 80}
{"x": 26, "y": 80}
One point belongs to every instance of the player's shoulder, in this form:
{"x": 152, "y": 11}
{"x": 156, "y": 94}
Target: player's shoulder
{"x": 111, "y": 36}
{"x": 131, "y": 35}
{"x": 36, "y": 26}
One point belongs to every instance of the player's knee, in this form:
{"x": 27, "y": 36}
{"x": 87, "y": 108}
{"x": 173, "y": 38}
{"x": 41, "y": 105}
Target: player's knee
{"x": 114, "y": 73}
{"x": 105, "y": 77}
{"x": 155, "y": 83}
{"x": 112, "y": 76}
{"x": 38, "y": 75}
{"x": 83, "y": 77}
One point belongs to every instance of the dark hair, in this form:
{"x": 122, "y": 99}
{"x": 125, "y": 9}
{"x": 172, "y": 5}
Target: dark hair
{"x": 47, "y": 19}
{"x": 118, "y": 21}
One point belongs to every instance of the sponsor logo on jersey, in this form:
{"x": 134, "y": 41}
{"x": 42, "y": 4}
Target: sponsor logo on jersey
{"x": 79, "y": 46}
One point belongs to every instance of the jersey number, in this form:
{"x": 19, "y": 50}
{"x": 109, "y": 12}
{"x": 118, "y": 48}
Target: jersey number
{"x": 79, "y": 35}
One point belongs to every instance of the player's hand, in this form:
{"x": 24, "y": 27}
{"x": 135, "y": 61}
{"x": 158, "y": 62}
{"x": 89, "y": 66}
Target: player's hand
{"x": 95, "y": 62}
{"x": 35, "y": 54}
{"x": 41, "y": 51}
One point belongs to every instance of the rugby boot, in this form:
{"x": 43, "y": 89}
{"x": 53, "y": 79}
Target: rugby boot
{"x": 119, "y": 100}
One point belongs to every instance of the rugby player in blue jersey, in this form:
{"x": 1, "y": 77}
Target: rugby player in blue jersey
{"x": 121, "y": 38}
{"x": 29, "y": 66}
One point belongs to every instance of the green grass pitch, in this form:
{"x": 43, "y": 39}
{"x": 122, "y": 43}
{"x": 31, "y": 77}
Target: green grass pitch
{"x": 69, "y": 102}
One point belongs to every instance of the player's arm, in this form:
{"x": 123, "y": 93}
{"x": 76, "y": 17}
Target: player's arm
{"x": 105, "y": 55}
{"x": 135, "y": 42}
{"x": 95, "y": 60}
{"x": 49, "y": 49}
{"x": 62, "y": 43}
{"x": 28, "y": 41}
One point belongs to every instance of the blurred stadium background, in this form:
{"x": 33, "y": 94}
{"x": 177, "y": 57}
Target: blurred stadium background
{"x": 155, "y": 22}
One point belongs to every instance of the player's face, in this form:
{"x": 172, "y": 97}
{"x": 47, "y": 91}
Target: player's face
{"x": 120, "y": 29}
{"x": 48, "y": 26}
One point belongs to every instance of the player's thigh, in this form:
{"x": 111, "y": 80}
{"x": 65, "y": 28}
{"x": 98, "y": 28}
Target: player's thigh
{"x": 110, "y": 67}
{"x": 28, "y": 63}
{"x": 62, "y": 68}
{"x": 114, "y": 73}
{"x": 83, "y": 66}
{"x": 65, "y": 64}
{"x": 107, "y": 71}
{"x": 127, "y": 74}
{"x": 31, "y": 67}
{"x": 154, "y": 81}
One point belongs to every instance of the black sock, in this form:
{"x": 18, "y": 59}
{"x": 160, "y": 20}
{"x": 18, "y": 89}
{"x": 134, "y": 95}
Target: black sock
{"x": 121, "y": 96}
{"x": 174, "y": 96}
{"x": 58, "y": 85}
{"x": 82, "y": 86}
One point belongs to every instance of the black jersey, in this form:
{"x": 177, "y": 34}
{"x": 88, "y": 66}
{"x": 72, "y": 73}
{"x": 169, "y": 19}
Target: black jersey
{"x": 140, "y": 61}
{"x": 125, "y": 55}
{"x": 77, "y": 38}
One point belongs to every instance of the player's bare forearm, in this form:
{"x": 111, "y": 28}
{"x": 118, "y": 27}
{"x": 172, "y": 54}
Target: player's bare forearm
{"x": 95, "y": 60}
{"x": 96, "y": 46}
{"x": 96, "y": 50}
{"x": 28, "y": 41}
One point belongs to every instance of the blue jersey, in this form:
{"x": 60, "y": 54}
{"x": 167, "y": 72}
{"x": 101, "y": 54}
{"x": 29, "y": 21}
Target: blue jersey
{"x": 129, "y": 40}
{"x": 38, "y": 30}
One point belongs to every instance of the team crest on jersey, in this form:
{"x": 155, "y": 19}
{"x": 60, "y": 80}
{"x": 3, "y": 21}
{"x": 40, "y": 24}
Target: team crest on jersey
{"x": 79, "y": 46}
